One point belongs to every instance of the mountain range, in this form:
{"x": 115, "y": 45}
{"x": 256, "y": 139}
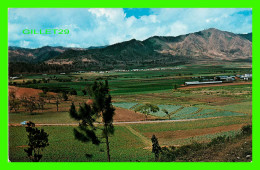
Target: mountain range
{"x": 203, "y": 46}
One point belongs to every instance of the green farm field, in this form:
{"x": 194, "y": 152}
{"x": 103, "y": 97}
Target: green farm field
{"x": 196, "y": 115}
{"x": 131, "y": 142}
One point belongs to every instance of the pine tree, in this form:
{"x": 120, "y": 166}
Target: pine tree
{"x": 38, "y": 140}
{"x": 156, "y": 148}
{"x": 87, "y": 115}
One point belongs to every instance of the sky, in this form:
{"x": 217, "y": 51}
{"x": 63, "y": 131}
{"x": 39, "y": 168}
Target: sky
{"x": 106, "y": 26}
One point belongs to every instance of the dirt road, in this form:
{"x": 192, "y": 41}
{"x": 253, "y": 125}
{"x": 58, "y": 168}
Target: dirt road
{"x": 115, "y": 123}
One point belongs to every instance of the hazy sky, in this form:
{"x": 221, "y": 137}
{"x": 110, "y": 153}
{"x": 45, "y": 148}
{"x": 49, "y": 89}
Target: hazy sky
{"x": 97, "y": 27}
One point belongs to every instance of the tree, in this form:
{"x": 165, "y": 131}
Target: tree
{"x": 14, "y": 103}
{"x": 89, "y": 91}
{"x": 49, "y": 97}
{"x": 156, "y": 148}
{"x": 84, "y": 92}
{"x": 38, "y": 140}
{"x": 58, "y": 99}
{"x": 175, "y": 86}
{"x": 89, "y": 113}
{"x": 44, "y": 89}
{"x": 29, "y": 104}
{"x": 34, "y": 81}
{"x": 167, "y": 113}
{"x": 73, "y": 92}
{"x": 41, "y": 103}
{"x": 146, "y": 109}
{"x": 64, "y": 96}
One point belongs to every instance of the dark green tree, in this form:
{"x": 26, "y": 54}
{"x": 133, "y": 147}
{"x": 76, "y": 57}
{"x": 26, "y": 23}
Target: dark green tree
{"x": 175, "y": 86}
{"x": 84, "y": 92}
{"x": 156, "y": 148}
{"x": 147, "y": 109}
{"x": 101, "y": 112}
{"x": 38, "y": 140}
{"x": 73, "y": 92}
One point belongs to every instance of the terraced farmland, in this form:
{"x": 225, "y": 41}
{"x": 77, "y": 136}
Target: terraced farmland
{"x": 184, "y": 113}
{"x": 160, "y": 113}
{"x": 218, "y": 114}
{"x": 179, "y": 112}
{"x": 169, "y": 108}
{"x": 125, "y": 105}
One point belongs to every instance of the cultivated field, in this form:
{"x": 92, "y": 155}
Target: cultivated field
{"x": 197, "y": 113}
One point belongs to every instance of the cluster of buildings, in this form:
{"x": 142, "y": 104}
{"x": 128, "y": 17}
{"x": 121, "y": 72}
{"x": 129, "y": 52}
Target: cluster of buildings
{"x": 246, "y": 77}
{"x": 135, "y": 70}
{"x": 221, "y": 79}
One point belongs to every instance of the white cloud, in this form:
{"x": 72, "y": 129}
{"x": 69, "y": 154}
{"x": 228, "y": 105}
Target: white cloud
{"x": 24, "y": 44}
{"x": 103, "y": 26}
{"x": 177, "y": 28}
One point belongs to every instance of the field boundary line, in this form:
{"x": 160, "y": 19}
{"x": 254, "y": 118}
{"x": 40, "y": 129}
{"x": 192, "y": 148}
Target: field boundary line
{"x": 140, "y": 136}
{"x": 172, "y": 113}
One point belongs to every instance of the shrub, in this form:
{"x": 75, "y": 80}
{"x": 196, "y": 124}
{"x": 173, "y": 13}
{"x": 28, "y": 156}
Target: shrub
{"x": 73, "y": 92}
{"x": 168, "y": 154}
{"x": 218, "y": 140}
{"x": 246, "y": 130}
{"x": 64, "y": 96}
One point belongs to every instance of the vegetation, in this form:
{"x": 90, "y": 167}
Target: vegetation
{"x": 125, "y": 146}
{"x": 147, "y": 109}
{"x": 64, "y": 96}
{"x": 29, "y": 104}
{"x": 167, "y": 113}
{"x": 202, "y": 151}
{"x": 156, "y": 148}
{"x": 88, "y": 114}
{"x": 14, "y": 103}
{"x": 220, "y": 111}
{"x": 38, "y": 140}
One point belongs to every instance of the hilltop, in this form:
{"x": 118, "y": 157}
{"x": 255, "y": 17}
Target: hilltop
{"x": 211, "y": 45}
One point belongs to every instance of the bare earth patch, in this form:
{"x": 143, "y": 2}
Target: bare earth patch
{"x": 22, "y": 146}
{"x": 26, "y": 92}
{"x": 122, "y": 115}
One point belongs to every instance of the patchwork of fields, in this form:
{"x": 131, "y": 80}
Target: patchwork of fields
{"x": 180, "y": 112}
{"x": 196, "y": 115}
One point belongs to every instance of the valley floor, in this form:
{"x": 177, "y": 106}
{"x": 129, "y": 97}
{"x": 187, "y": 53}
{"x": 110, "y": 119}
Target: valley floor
{"x": 196, "y": 114}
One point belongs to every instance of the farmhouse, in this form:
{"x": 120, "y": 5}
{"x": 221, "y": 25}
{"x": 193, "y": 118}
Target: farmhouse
{"x": 246, "y": 77}
{"x": 199, "y": 83}
{"x": 14, "y": 78}
{"x": 225, "y": 78}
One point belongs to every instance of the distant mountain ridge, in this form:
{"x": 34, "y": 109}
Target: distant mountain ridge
{"x": 207, "y": 45}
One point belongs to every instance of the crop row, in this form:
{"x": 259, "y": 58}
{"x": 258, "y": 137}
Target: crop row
{"x": 177, "y": 112}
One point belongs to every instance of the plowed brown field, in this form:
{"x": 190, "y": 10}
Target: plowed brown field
{"x": 25, "y": 92}
{"x": 124, "y": 115}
